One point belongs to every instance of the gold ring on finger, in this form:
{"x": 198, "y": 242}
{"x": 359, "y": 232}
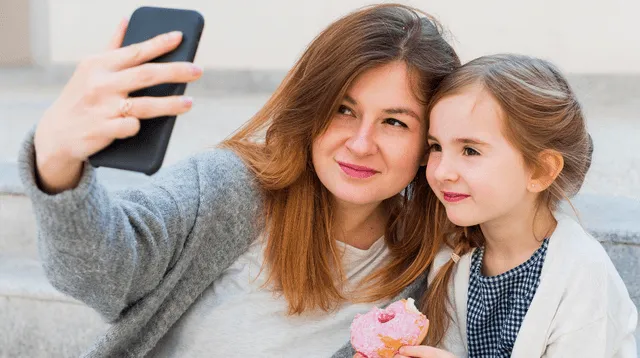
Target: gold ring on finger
{"x": 125, "y": 107}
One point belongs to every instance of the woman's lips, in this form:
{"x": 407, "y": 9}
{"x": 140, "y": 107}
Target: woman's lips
{"x": 454, "y": 197}
{"x": 357, "y": 171}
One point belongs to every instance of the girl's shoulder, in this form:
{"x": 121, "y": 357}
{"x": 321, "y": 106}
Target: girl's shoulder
{"x": 572, "y": 243}
{"x": 443, "y": 256}
{"x": 581, "y": 259}
{"x": 579, "y": 270}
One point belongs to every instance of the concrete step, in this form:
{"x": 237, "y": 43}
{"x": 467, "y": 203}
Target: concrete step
{"x": 614, "y": 221}
{"x": 37, "y": 320}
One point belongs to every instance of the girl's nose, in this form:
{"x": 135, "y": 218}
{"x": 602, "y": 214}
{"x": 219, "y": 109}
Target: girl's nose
{"x": 445, "y": 169}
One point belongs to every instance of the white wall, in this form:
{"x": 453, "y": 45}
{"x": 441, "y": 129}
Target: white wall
{"x": 582, "y": 36}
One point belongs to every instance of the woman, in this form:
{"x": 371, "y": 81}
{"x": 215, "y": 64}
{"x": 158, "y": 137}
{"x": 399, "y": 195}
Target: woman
{"x": 270, "y": 244}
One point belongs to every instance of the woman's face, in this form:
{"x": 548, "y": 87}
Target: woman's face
{"x": 376, "y": 141}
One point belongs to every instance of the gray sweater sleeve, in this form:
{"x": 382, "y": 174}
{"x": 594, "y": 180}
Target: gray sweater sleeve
{"x": 110, "y": 249}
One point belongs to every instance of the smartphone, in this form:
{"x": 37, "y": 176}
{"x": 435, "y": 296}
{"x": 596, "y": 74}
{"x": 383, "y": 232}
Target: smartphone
{"x": 145, "y": 151}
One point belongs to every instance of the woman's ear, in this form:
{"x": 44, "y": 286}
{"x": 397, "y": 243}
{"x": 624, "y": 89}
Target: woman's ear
{"x": 551, "y": 164}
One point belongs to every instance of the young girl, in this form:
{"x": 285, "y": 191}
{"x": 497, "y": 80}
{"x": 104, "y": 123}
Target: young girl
{"x": 518, "y": 278}
{"x": 269, "y": 246}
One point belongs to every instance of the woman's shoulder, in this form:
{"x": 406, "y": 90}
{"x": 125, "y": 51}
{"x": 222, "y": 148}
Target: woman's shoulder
{"x": 221, "y": 168}
{"x": 220, "y": 177}
{"x": 213, "y": 160}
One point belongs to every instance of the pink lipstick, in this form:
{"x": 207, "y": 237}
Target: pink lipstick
{"x": 357, "y": 171}
{"x": 454, "y": 197}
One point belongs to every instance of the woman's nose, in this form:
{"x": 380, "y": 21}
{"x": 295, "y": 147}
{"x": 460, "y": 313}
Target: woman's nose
{"x": 362, "y": 141}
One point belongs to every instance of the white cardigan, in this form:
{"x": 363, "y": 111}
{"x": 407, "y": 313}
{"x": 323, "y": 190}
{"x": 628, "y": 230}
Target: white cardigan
{"x": 581, "y": 307}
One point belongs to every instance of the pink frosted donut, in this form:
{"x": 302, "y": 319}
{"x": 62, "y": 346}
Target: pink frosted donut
{"x": 381, "y": 332}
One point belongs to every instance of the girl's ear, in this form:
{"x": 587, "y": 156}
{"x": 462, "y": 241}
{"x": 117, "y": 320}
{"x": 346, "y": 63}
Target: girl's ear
{"x": 551, "y": 164}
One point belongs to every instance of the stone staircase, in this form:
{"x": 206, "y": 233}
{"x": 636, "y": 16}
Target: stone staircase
{"x": 38, "y": 321}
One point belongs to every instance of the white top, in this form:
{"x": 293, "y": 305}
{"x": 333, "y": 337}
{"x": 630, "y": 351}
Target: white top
{"x": 235, "y": 317}
{"x": 581, "y": 308}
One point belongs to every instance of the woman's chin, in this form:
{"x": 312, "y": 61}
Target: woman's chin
{"x": 357, "y": 197}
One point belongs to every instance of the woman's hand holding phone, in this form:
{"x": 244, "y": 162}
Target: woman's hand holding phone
{"x": 93, "y": 109}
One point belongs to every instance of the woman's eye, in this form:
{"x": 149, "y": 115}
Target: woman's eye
{"x": 470, "y": 151}
{"x": 345, "y": 110}
{"x": 394, "y": 122}
{"x": 435, "y": 147}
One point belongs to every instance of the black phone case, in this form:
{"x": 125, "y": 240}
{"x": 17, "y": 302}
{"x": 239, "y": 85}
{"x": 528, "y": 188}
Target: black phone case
{"x": 145, "y": 151}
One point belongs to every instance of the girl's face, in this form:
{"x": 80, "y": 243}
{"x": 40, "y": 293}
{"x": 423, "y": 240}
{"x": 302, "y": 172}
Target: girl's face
{"x": 376, "y": 141}
{"x": 473, "y": 169}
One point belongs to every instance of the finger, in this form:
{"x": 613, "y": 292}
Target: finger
{"x": 118, "y": 36}
{"x": 151, "y": 74}
{"x": 418, "y": 351}
{"x": 120, "y": 128}
{"x": 151, "y": 107}
{"x": 141, "y": 52}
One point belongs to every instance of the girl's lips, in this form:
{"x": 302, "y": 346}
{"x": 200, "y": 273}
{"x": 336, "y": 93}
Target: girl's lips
{"x": 454, "y": 197}
{"x": 357, "y": 171}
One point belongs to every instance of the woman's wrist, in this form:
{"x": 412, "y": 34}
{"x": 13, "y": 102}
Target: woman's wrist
{"x": 56, "y": 173}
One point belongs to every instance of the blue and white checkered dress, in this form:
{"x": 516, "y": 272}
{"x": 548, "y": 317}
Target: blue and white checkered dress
{"x": 497, "y": 305}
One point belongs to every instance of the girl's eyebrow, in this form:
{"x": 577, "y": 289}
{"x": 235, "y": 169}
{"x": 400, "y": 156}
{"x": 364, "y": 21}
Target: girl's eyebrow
{"x": 461, "y": 140}
{"x": 470, "y": 141}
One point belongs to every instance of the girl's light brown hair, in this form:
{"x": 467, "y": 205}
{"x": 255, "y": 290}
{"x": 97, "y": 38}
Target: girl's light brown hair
{"x": 301, "y": 256}
{"x": 540, "y": 112}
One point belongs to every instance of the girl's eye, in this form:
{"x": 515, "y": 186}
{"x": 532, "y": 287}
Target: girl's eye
{"x": 345, "y": 110}
{"x": 470, "y": 151}
{"x": 394, "y": 122}
{"x": 435, "y": 147}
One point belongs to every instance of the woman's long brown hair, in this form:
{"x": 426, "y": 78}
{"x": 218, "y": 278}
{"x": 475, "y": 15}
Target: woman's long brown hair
{"x": 301, "y": 255}
{"x": 540, "y": 112}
